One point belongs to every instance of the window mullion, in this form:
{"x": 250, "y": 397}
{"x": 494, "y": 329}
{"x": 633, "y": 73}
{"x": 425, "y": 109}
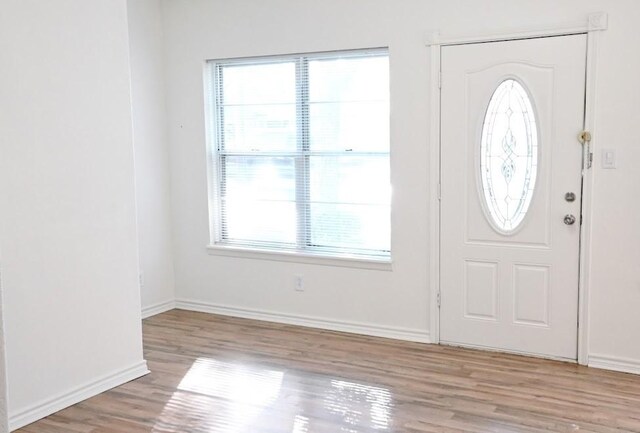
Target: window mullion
{"x": 302, "y": 159}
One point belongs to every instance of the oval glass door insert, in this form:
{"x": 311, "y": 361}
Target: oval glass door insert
{"x": 509, "y": 155}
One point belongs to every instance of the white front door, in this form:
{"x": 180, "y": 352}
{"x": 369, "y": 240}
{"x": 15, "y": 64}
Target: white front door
{"x": 511, "y": 176}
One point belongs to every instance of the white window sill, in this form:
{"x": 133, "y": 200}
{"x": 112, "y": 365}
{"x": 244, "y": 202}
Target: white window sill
{"x": 298, "y": 257}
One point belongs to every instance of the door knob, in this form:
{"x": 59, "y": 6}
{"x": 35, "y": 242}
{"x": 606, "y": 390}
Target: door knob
{"x": 569, "y": 219}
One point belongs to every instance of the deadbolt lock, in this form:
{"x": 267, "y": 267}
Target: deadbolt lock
{"x": 570, "y": 197}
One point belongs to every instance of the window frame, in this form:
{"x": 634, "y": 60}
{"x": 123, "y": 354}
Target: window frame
{"x": 302, "y": 250}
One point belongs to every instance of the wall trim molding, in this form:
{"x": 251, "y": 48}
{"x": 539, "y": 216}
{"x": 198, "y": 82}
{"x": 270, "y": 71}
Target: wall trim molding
{"x": 615, "y": 363}
{"x": 61, "y": 401}
{"x": 397, "y": 333}
{"x": 597, "y": 21}
{"x": 160, "y": 307}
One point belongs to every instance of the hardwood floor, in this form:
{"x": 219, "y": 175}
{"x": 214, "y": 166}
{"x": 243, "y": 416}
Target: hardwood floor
{"x": 219, "y": 374}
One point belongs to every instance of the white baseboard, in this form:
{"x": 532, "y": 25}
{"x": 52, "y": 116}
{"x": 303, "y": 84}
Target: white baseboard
{"x": 615, "y": 363}
{"x": 61, "y": 401}
{"x": 396, "y": 333}
{"x": 160, "y": 307}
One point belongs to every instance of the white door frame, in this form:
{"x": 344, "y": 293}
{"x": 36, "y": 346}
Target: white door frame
{"x": 595, "y": 24}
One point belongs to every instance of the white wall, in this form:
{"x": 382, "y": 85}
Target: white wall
{"x": 197, "y": 30}
{"x": 615, "y": 270}
{"x": 151, "y": 154}
{"x": 67, "y": 203}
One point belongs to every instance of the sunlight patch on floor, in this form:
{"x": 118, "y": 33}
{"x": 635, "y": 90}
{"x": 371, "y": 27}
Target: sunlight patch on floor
{"x": 232, "y": 397}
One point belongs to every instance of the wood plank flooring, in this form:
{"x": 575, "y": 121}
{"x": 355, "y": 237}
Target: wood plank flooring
{"x": 227, "y": 375}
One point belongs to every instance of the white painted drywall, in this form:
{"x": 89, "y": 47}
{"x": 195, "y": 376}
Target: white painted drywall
{"x": 197, "y": 30}
{"x": 151, "y": 153}
{"x": 67, "y": 200}
{"x": 615, "y": 267}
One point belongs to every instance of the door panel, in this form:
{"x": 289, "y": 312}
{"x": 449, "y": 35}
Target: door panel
{"x": 509, "y": 263}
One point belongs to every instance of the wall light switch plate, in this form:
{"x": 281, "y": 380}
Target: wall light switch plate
{"x": 608, "y": 158}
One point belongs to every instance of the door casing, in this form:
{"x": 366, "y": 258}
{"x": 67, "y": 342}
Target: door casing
{"x": 596, "y": 23}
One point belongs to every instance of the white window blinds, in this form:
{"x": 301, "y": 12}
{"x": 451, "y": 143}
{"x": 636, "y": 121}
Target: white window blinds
{"x": 299, "y": 153}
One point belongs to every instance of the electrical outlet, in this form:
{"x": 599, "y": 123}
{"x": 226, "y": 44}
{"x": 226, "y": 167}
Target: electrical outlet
{"x": 298, "y": 283}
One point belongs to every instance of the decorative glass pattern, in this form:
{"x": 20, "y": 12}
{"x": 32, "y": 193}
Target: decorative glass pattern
{"x": 509, "y": 155}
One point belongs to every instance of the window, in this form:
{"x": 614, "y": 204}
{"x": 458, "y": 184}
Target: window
{"x": 509, "y": 155}
{"x": 299, "y": 154}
